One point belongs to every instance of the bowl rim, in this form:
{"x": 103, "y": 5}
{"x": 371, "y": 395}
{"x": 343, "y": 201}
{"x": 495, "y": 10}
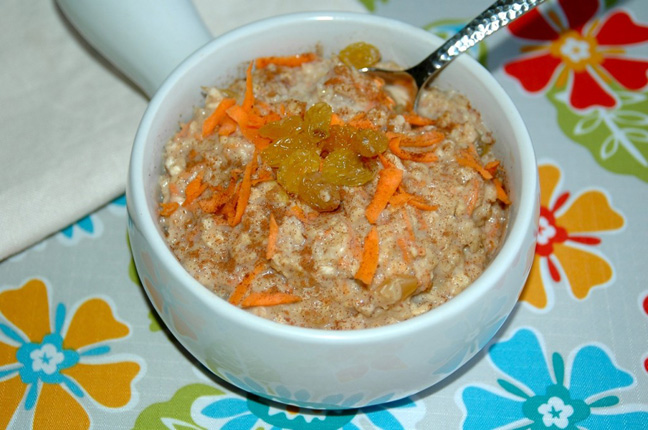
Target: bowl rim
{"x": 516, "y": 235}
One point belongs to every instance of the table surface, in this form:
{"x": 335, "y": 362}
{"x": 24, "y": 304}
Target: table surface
{"x": 574, "y": 353}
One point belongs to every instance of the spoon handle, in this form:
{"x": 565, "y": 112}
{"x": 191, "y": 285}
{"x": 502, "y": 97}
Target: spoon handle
{"x": 498, "y": 15}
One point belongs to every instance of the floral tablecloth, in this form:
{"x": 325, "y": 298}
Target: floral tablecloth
{"x": 81, "y": 347}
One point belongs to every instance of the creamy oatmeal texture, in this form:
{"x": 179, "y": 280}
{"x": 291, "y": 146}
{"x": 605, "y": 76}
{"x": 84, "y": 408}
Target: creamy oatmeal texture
{"x": 233, "y": 217}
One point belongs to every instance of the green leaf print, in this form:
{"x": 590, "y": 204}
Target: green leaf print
{"x": 617, "y": 138}
{"x": 371, "y": 4}
{"x": 175, "y": 413}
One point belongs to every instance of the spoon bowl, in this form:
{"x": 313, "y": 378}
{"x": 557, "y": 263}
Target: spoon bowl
{"x": 409, "y": 81}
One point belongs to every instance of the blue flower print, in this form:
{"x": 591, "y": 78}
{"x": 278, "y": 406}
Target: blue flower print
{"x": 233, "y": 412}
{"x": 537, "y": 394}
{"x": 88, "y": 226}
{"x": 118, "y": 206}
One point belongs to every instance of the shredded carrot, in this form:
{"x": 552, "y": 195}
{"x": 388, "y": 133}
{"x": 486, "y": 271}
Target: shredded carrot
{"x": 264, "y": 176}
{"x": 218, "y": 198}
{"x": 360, "y": 120}
{"x": 194, "y": 189}
{"x": 408, "y": 225}
{"x": 417, "y": 120}
{"x": 184, "y": 130}
{"x": 388, "y": 181}
{"x": 492, "y": 166}
{"x": 269, "y": 299}
{"x": 336, "y": 120}
{"x": 501, "y": 194}
{"x": 217, "y": 116}
{"x": 288, "y": 61}
{"x": 400, "y": 199}
{"x": 167, "y": 209}
{"x": 471, "y": 203}
{"x": 426, "y": 139}
{"x": 402, "y": 244}
{"x": 468, "y": 159}
{"x": 227, "y": 127}
{"x": 273, "y": 233}
{"x": 229, "y": 209}
{"x": 173, "y": 189}
{"x": 298, "y": 213}
{"x": 244, "y": 191}
{"x": 394, "y": 147}
{"x": 248, "y": 99}
{"x": 237, "y": 295}
{"x": 384, "y": 161}
{"x": 370, "y": 253}
{"x": 239, "y": 115}
{"x": 253, "y": 136}
{"x": 418, "y": 204}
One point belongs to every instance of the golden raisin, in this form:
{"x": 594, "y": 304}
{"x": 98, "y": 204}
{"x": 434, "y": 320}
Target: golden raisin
{"x": 339, "y": 137}
{"x": 317, "y": 121}
{"x": 359, "y": 55}
{"x": 369, "y": 143}
{"x": 344, "y": 167}
{"x": 281, "y": 148}
{"x": 296, "y": 166}
{"x": 397, "y": 288}
{"x": 319, "y": 194}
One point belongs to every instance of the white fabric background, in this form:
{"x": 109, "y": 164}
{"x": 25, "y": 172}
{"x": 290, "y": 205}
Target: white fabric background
{"x": 67, "y": 118}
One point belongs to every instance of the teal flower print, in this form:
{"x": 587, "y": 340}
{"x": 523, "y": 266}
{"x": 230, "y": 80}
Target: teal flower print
{"x": 541, "y": 395}
{"x": 88, "y": 226}
{"x": 252, "y": 412}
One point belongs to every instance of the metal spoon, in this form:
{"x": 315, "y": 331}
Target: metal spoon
{"x": 498, "y": 15}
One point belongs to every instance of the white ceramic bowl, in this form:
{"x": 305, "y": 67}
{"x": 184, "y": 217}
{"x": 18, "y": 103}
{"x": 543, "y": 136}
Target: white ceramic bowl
{"x": 317, "y": 368}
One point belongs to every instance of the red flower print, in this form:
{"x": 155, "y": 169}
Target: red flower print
{"x": 578, "y": 51}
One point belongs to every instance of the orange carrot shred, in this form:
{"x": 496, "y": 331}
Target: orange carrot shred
{"x": 501, "y": 194}
{"x": 468, "y": 159}
{"x": 173, "y": 189}
{"x": 194, "y": 189}
{"x": 402, "y": 244}
{"x": 167, "y": 209}
{"x": 237, "y": 295}
{"x": 421, "y": 205}
{"x": 273, "y": 233}
{"x": 388, "y": 181}
{"x": 244, "y": 191}
{"x": 394, "y": 147}
{"x": 248, "y": 99}
{"x": 361, "y": 121}
{"x": 384, "y": 161}
{"x": 370, "y": 253}
{"x": 298, "y": 213}
{"x": 264, "y": 176}
{"x": 269, "y": 299}
{"x": 217, "y": 116}
{"x": 417, "y": 120}
{"x": 288, "y": 61}
{"x": 218, "y": 198}
{"x": 239, "y": 115}
{"x": 426, "y": 139}
{"x": 473, "y": 197}
{"x": 227, "y": 127}
{"x": 336, "y": 120}
{"x": 492, "y": 166}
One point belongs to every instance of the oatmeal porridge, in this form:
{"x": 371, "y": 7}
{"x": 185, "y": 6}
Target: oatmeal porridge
{"x": 304, "y": 194}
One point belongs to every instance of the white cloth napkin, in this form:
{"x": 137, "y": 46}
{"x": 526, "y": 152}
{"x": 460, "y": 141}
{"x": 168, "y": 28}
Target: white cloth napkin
{"x": 67, "y": 118}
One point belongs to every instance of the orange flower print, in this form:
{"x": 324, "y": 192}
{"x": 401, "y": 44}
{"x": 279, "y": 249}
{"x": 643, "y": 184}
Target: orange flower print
{"x": 48, "y": 367}
{"x": 566, "y": 241}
